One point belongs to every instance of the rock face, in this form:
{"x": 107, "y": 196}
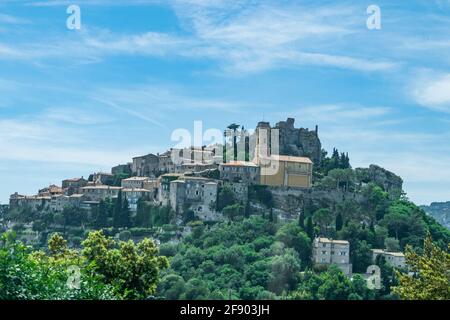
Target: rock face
{"x": 299, "y": 142}
{"x": 440, "y": 211}
{"x": 388, "y": 180}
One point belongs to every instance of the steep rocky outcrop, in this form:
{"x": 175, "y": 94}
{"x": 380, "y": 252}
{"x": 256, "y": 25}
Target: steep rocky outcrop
{"x": 298, "y": 142}
{"x": 388, "y": 180}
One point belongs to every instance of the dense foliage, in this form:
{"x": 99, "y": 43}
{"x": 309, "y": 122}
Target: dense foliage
{"x": 104, "y": 269}
{"x": 430, "y": 279}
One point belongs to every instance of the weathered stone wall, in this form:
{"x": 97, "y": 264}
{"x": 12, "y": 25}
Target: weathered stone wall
{"x": 299, "y": 142}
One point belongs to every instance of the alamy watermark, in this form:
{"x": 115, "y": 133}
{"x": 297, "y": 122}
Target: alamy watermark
{"x": 73, "y": 22}
{"x": 374, "y": 20}
{"x": 233, "y": 144}
{"x": 374, "y": 278}
{"x": 74, "y": 277}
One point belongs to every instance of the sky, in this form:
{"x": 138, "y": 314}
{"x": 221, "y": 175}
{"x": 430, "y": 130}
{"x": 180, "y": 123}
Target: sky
{"x": 73, "y": 102}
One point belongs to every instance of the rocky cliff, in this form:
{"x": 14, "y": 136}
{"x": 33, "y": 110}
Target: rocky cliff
{"x": 298, "y": 142}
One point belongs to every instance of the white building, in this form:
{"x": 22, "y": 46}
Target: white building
{"x": 327, "y": 251}
{"x": 395, "y": 259}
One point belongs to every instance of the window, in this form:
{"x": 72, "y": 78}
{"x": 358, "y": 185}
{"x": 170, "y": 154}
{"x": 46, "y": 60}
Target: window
{"x": 343, "y": 253}
{"x": 324, "y": 252}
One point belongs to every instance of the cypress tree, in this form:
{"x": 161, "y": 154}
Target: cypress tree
{"x": 301, "y": 220}
{"x": 309, "y": 228}
{"x": 125, "y": 214}
{"x": 271, "y": 215}
{"x": 101, "y": 220}
{"x": 339, "y": 222}
{"x": 117, "y": 211}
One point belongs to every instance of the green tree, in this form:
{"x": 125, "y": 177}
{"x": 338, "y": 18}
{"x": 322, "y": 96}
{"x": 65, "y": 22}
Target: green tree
{"x": 125, "y": 214}
{"x": 233, "y": 211}
{"x": 172, "y": 287}
{"x": 339, "y": 222}
{"x": 309, "y": 227}
{"x": 132, "y": 269}
{"x": 294, "y": 237}
{"x": 31, "y": 275}
{"x": 323, "y": 218}
{"x": 431, "y": 274}
{"x": 361, "y": 256}
{"x": 226, "y": 197}
{"x": 285, "y": 269}
{"x": 101, "y": 217}
{"x": 117, "y": 211}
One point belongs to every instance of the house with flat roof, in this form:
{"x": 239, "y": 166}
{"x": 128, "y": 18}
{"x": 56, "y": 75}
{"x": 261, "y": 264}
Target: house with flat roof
{"x": 194, "y": 193}
{"x": 328, "y": 251}
{"x": 240, "y": 171}
{"x": 395, "y": 259}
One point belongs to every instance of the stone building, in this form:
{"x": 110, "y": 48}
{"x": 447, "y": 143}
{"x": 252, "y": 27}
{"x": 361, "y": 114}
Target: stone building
{"x": 33, "y": 202}
{"x": 286, "y": 171}
{"x": 165, "y": 163}
{"x": 135, "y": 182}
{"x": 145, "y": 166}
{"x": 102, "y": 178}
{"x": 100, "y": 192}
{"x": 327, "y": 251}
{"x": 74, "y": 185}
{"x": 58, "y": 203}
{"x": 134, "y": 194}
{"x": 164, "y": 187}
{"x": 121, "y": 169}
{"x": 50, "y": 191}
{"x": 194, "y": 193}
{"x": 194, "y": 167}
{"x": 240, "y": 171}
{"x": 395, "y": 259}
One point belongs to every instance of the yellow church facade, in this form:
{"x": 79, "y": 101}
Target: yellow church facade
{"x": 287, "y": 171}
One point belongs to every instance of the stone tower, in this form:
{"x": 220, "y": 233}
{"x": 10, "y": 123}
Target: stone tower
{"x": 299, "y": 142}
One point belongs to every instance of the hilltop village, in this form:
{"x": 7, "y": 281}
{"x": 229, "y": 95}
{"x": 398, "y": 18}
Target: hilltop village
{"x": 195, "y": 182}
{"x": 189, "y": 179}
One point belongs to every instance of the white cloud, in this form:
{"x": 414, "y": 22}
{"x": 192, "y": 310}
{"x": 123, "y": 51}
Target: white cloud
{"x": 242, "y": 37}
{"x": 432, "y": 91}
{"x": 76, "y": 116}
{"x": 8, "y": 19}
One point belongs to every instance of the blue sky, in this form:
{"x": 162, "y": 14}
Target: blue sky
{"x": 77, "y": 101}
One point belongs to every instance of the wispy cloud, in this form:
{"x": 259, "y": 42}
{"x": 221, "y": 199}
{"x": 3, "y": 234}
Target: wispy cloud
{"x": 432, "y": 90}
{"x": 76, "y": 116}
{"x": 243, "y": 37}
{"x": 8, "y": 19}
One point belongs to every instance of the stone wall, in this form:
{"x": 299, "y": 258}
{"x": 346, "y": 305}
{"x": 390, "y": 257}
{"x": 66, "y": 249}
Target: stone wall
{"x": 299, "y": 142}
